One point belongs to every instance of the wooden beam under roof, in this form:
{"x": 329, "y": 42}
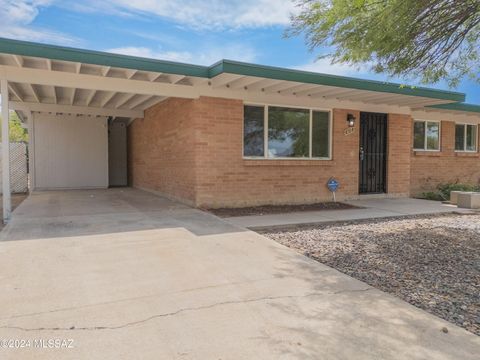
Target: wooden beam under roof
{"x": 74, "y": 109}
{"x": 95, "y": 82}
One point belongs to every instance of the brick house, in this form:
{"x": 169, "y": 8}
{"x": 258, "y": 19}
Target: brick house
{"x": 215, "y": 170}
{"x": 232, "y": 134}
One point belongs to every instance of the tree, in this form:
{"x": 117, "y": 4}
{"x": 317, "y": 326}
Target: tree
{"x": 17, "y": 132}
{"x": 428, "y": 39}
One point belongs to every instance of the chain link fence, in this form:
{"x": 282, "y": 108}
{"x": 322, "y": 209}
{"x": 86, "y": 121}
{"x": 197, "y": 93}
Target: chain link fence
{"x": 18, "y": 168}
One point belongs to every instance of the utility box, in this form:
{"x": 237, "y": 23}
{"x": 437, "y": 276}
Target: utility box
{"x": 469, "y": 200}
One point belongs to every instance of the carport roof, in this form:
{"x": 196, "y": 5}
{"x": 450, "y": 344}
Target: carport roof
{"x": 53, "y": 78}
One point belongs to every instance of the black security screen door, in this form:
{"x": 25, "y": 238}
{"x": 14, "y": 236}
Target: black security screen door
{"x": 373, "y": 153}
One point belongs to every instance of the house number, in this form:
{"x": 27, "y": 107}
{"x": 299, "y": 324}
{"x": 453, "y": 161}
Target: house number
{"x": 349, "y": 131}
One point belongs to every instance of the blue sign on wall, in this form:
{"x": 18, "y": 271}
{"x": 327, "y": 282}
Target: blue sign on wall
{"x": 333, "y": 185}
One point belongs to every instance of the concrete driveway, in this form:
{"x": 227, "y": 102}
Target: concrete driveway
{"x": 129, "y": 275}
{"x": 16, "y": 200}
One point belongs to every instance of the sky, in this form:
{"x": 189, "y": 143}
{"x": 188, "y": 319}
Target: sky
{"x": 191, "y": 31}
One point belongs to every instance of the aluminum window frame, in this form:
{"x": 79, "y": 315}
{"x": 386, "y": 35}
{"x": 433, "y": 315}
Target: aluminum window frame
{"x": 465, "y": 138}
{"x": 265, "y": 133}
{"x": 425, "y": 144}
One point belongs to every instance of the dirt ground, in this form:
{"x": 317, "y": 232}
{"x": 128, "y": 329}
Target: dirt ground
{"x": 278, "y": 209}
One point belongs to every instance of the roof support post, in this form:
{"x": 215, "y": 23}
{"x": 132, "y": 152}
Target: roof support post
{"x": 7, "y": 201}
{"x": 31, "y": 149}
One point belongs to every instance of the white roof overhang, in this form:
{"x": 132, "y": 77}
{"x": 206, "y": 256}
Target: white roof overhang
{"x": 47, "y": 85}
{"x": 46, "y": 78}
{"x": 436, "y": 114}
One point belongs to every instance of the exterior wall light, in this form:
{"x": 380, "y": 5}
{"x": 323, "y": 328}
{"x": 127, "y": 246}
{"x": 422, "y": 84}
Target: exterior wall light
{"x": 351, "y": 120}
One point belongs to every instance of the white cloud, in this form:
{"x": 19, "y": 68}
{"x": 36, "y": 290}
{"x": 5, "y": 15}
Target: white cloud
{"x": 207, "y": 56}
{"x": 201, "y": 14}
{"x": 16, "y": 17}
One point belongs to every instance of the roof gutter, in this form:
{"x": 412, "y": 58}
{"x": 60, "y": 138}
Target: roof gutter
{"x": 53, "y": 52}
{"x": 464, "y": 107}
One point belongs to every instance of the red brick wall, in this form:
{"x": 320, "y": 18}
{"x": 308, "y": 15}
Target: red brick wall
{"x": 162, "y": 150}
{"x": 226, "y": 179}
{"x": 429, "y": 169}
{"x": 399, "y": 140}
{"x": 192, "y": 150}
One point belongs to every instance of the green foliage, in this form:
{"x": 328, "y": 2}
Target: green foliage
{"x": 444, "y": 190}
{"x": 17, "y": 132}
{"x": 432, "y": 195}
{"x": 427, "y": 39}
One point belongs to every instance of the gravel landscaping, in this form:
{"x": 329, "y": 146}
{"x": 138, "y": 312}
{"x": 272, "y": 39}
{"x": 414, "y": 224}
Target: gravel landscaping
{"x": 432, "y": 262}
{"x": 278, "y": 209}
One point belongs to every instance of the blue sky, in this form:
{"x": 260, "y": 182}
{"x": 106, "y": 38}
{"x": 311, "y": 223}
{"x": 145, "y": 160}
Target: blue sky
{"x": 192, "y": 31}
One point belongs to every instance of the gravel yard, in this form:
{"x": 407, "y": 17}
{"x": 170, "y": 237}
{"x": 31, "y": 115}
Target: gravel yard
{"x": 432, "y": 262}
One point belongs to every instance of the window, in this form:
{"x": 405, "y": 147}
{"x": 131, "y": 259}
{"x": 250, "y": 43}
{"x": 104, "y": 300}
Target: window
{"x": 280, "y": 132}
{"x": 426, "y": 135}
{"x": 253, "y": 130}
{"x": 465, "y": 137}
{"x": 419, "y": 135}
{"x": 320, "y": 134}
{"x": 288, "y": 132}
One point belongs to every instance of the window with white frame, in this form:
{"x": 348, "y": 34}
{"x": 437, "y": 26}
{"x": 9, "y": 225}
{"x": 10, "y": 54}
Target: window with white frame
{"x": 253, "y": 131}
{"x": 426, "y": 135}
{"x": 276, "y": 132}
{"x": 466, "y": 137}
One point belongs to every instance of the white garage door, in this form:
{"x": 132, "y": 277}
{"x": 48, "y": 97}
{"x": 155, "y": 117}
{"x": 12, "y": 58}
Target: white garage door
{"x": 70, "y": 152}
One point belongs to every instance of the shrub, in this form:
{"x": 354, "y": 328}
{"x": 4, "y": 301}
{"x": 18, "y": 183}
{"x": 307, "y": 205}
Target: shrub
{"x": 432, "y": 195}
{"x": 446, "y": 189}
{"x": 443, "y": 191}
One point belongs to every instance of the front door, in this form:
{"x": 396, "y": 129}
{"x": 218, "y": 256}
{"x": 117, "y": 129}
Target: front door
{"x": 373, "y": 153}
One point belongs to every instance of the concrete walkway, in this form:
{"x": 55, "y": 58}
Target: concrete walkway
{"x": 369, "y": 209}
{"x": 128, "y": 275}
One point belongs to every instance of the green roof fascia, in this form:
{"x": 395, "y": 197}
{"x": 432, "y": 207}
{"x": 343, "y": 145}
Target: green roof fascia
{"x": 270, "y": 72}
{"x": 25, "y": 48}
{"x": 54, "y": 52}
{"x": 457, "y": 107}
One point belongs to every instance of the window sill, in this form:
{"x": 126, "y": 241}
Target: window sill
{"x": 434, "y": 153}
{"x": 473, "y": 154}
{"x": 287, "y": 162}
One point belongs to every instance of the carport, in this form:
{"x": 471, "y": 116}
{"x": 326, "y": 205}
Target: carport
{"x": 68, "y": 98}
